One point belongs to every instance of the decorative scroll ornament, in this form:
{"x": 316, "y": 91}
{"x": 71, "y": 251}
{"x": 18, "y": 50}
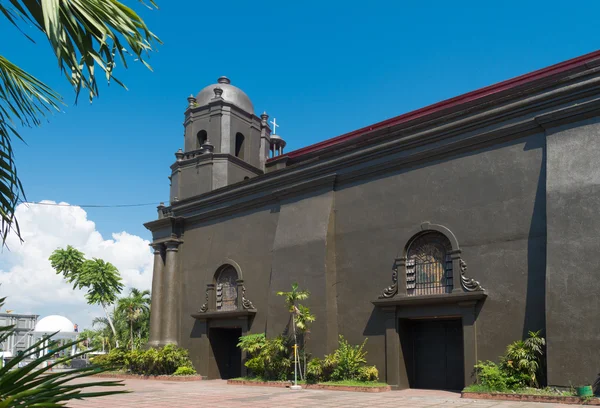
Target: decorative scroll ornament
{"x": 391, "y": 290}
{"x": 468, "y": 284}
{"x": 204, "y": 307}
{"x": 246, "y": 304}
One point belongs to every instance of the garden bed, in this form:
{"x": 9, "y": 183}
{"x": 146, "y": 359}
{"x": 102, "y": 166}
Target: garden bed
{"x": 554, "y": 399}
{"x": 339, "y": 386}
{"x": 127, "y": 376}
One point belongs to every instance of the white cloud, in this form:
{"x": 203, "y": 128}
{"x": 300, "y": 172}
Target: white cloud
{"x": 30, "y": 283}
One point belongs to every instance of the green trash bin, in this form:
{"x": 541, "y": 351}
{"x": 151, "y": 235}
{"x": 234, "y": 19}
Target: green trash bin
{"x": 584, "y": 391}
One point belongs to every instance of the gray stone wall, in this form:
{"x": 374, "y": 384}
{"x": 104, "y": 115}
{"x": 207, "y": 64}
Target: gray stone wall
{"x": 497, "y": 213}
{"x": 490, "y": 199}
{"x": 572, "y": 284}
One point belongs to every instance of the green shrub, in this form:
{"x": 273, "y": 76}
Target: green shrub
{"x": 523, "y": 359}
{"x": 368, "y": 374}
{"x": 185, "y": 371}
{"x": 114, "y": 360}
{"x": 162, "y": 361}
{"x": 346, "y": 360}
{"x": 346, "y": 363}
{"x": 521, "y": 366}
{"x": 315, "y": 371}
{"x": 268, "y": 359}
{"x": 492, "y": 376}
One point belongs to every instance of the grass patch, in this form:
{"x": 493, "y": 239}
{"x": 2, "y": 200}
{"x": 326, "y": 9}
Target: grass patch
{"x": 354, "y": 383}
{"x": 347, "y": 383}
{"x": 256, "y": 379}
{"x": 525, "y": 391}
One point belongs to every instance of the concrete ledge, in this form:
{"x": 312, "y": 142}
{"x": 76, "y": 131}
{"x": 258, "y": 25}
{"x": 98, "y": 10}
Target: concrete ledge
{"x": 553, "y": 399}
{"x": 327, "y": 387}
{"x": 176, "y": 378}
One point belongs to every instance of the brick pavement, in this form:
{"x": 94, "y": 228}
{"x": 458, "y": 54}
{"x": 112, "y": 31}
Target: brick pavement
{"x": 217, "y": 394}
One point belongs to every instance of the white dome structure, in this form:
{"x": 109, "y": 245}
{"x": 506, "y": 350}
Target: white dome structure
{"x": 55, "y": 323}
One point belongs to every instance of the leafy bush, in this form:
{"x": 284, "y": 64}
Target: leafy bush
{"x": 492, "y": 376}
{"x": 163, "y": 361}
{"x": 523, "y": 359}
{"x": 268, "y": 359}
{"x": 114, "y": 360}
{"x": 368, "y": 374}
{"x": 344, "y": 364}
{"x": 346, "y": 360}
{"x": 519, "y": 367}
{"x": 315, "y": 371}
{"x": 185, "y": 371}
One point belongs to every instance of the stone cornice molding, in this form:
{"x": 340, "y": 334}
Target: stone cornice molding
{"x": 206, "y": 158}
{"x": 409, "y": 148}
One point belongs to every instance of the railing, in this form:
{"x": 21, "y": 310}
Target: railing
{"x": 428, "y": 278}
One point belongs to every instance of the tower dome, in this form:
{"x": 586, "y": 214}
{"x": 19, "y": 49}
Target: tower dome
{"x": 231, "y": 94}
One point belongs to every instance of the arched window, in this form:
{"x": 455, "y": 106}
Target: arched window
{"x": 239, "y": 145}
{"x": 201, "y": 138}
{"x": 428, "y": 265}
{"x": 226, "y": 286}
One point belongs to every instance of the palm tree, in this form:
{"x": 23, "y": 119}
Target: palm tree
{"x": 291, "y": 300}
{"x": 133, "y": 308}
{"x": 88, "y": 37}
{"x": 303, "y": 321}
{"x": 104, "y": 332}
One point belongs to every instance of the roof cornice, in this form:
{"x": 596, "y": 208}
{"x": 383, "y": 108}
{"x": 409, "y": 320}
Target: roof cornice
{"x": 478, "y": 99}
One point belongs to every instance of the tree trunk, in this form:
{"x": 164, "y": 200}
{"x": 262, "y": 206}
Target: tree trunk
{"x": 296, "y": 353}
{"x": 110, "y": 322}
{"x": 131, "y": 333}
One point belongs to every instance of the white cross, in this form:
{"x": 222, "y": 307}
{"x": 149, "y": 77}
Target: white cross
{"x": 275, "y": 125}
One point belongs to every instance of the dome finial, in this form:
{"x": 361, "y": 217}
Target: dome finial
{"x": 223, "y": 80}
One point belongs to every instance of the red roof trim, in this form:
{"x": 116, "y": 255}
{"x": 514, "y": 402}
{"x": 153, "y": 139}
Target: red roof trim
{"x": 452, "y": 102}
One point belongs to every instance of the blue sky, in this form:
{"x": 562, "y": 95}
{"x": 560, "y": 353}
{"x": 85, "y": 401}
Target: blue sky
{"x": 321, "y": 68}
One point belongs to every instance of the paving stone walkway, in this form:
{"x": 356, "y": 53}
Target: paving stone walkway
{"x": 217, "y": 394}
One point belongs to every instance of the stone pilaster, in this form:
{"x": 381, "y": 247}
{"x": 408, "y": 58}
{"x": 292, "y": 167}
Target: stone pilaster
{"x": 170, "y": 313}
{"x": 157, "y": 296}
{"x": 265, "y": 143}
{"x": 455, "y": 256}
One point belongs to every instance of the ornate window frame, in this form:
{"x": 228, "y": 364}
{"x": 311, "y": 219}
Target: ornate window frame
{"x": 210, "y": 307}
{"x": 399, "y": 271}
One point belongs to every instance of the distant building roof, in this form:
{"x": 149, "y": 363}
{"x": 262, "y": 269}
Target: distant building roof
{"x": 55, "y": 323}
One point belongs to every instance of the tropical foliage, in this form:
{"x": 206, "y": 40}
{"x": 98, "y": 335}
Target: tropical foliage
{"x": 153, "y": 361}
{"x": 300, "y": 319}
{"x": 28, "y": 381}
{"x": 88, "y": 37}
{"x": 135, "y": 308}
{"x": 131, "y": 319}
{"x": 521, "y": 366}
{"x": 268, "y": 359}
{"x": 101, "y": 279}
{"x": 347, "y": 362}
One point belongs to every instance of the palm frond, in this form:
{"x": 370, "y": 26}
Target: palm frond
{"x": 85, "y": 35}
{"x": 23, "y": 101}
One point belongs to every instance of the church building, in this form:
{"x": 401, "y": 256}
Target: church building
{"x": 441, "y": 235}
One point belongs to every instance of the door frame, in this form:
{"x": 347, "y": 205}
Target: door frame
{"x": 411, "y": 344}
{"x": 465, "y": 306}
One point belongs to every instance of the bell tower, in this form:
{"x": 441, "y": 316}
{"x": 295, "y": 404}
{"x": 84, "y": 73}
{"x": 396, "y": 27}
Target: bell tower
{"x": 224, "y": 141}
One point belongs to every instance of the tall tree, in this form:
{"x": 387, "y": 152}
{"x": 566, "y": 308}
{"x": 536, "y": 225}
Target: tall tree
{"x": 303, "y": 321}
{"x": 133, "y": 307}
{"x": 101, "y": 279}
{"x": 291, "y": 300}
{"x": 88, "y": 37}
